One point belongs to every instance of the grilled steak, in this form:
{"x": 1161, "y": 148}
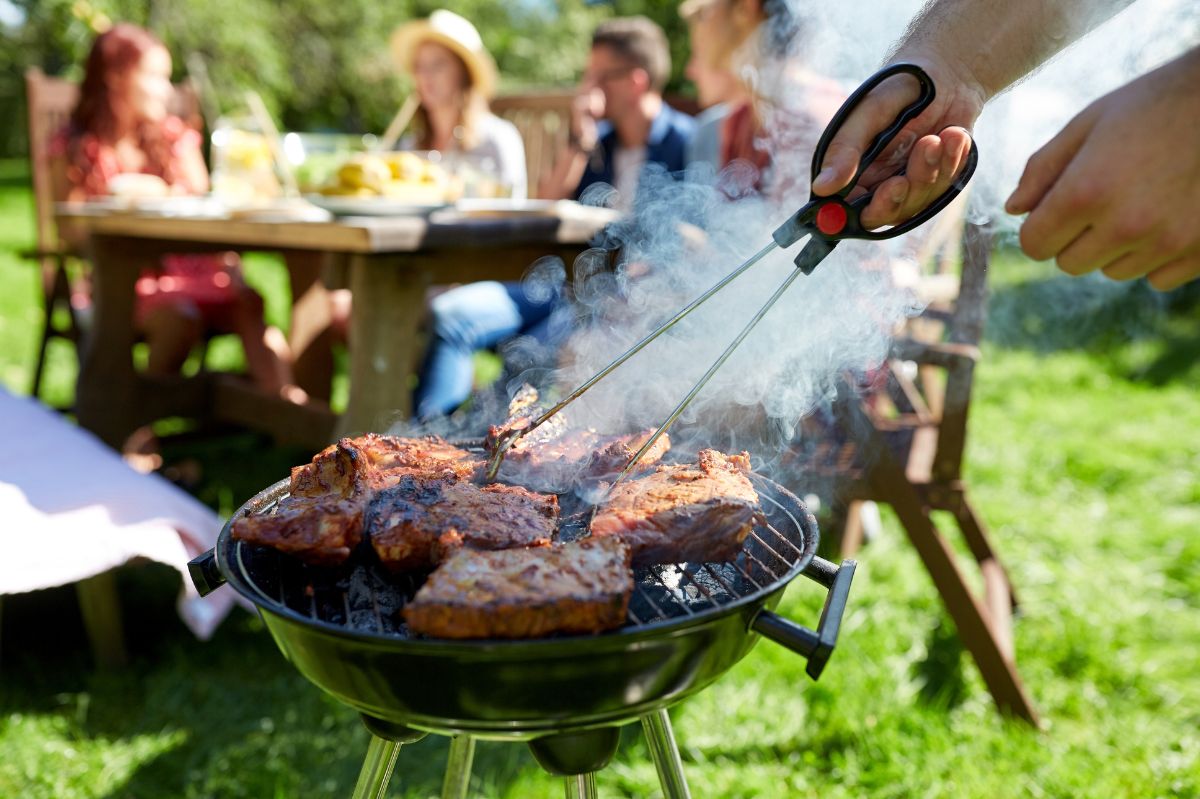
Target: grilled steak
{"x": 358, "y": 466}
{"x": 683, "y": 513}
{"x": 318, "y": 530}
{"x": 414, "y": 524}
{"x": 555, "y": 459}
{"x": 582, "y": 587}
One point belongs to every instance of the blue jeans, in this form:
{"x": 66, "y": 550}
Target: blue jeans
{"x": 469, "y": 318}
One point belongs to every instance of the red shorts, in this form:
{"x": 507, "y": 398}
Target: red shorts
{"x": 208, "y": 282}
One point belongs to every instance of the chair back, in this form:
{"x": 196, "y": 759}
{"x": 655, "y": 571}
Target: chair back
{"x": 49, "y": 102}
{"x": 544, "y": 122}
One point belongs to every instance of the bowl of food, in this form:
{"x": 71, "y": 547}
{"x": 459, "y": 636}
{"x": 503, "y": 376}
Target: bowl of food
{"x": 386, "y": 184}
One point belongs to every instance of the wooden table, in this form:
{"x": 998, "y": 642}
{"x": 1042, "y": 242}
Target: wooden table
{"x": 393, "y": 261}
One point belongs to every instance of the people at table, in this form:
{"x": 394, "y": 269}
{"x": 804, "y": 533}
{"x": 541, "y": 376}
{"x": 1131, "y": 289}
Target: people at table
{"x": 454, "y": 78}
{"x": 785, "y": 107}
{"x": 619, "y": 125}
{"x": 619, "y": 120}
{"x": 121, "y": 139}
{"x": 718, "y": 89}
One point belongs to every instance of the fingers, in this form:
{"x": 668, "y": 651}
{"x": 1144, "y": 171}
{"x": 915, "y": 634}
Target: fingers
{"x": 1176, "y": 273}
{"x": 877, "y": 110}
{"x": 1092, "y": 249}
{"x": 933, "y": 165}
{"x": 1047, "y": 164}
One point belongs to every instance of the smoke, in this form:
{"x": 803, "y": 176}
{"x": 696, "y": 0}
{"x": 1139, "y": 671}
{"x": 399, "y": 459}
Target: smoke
{"x": 685, "y": 235}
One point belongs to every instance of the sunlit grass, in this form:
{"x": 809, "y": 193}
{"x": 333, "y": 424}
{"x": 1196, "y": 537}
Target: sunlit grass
{"x": 1083, "y": 459}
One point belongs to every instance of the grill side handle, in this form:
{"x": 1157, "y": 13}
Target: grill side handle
{"x": 815, "y": 646}
{"x": 205, "y": 574}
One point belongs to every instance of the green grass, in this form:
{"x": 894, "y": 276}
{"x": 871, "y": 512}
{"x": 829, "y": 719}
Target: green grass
{"x": 1083, "y": 459}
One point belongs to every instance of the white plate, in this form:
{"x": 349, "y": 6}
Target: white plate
{"x": 371, "y": 206}
{"x": 507, "y": 207}
{"x": 193, "y": 207}
{"x": 282, "y": 211}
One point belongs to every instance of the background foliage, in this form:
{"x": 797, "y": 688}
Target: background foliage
{"x": 319, "y": 65}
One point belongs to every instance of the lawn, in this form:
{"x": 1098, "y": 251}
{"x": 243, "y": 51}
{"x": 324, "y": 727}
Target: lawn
{"x": 1084, "y": 456}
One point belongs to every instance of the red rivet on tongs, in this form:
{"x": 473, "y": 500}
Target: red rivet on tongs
{"x": 831, "y": 218}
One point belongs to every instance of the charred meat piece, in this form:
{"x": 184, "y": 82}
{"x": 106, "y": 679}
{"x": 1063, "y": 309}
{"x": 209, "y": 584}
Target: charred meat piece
{"x": 523, "y": 410}
{"x": 414, "y": 524}
{"x": 582, "y": 587}
{"x": 318, "y": 530}
{"x": 577, "y": 457}
{"x": 683, "y": 513}
{"x": 555, "y": 459}
{"x": 357, "y": 466}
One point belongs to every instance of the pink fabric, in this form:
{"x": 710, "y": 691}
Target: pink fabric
{"x": 70, "y": 508}
{"x": 208, "y": 281}
{"x": 91, "y": 163}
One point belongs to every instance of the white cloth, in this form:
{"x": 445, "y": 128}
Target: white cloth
{"x": 70, "y": 508}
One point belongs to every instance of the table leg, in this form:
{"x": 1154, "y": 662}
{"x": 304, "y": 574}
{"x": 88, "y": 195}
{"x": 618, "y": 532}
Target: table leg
{"x": 107, "y": 392}
{"x": 389, "y": 299}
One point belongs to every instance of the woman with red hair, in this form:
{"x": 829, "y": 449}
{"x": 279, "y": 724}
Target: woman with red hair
{"x": 123, "y": 140}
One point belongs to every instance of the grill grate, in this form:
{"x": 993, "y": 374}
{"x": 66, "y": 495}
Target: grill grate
{"x": 365, "y": 598}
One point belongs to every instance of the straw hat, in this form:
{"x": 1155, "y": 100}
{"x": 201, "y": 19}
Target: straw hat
{"x": 454, "y": 33}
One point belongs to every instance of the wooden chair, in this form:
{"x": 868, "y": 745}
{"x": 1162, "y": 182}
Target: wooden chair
{"x": 903, "y": 445}
{"x": 544, "y": 122}
{"x": 50, "y": 101}
{"x": 49, "y": 104}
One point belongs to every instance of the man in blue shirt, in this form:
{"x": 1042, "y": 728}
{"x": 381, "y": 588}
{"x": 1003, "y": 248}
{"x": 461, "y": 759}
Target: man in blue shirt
{"x": 620, "y": 123}
{"x": 620, "y": 126}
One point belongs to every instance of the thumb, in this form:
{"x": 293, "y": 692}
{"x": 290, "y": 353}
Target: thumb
{"x": 876, "y": 111}
{"x": 1044, "y": 166}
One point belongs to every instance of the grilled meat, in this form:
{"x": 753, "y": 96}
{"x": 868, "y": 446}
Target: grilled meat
{"x": 414, "y": 524}
{"x": 582, "y": 587}
{"x": 318, "y": 530}
{"x": 553, "y": 458}
{"x": 683, "y": 513}
{"x": 358, "y": 466}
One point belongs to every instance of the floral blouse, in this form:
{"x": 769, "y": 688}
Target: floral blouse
{"x": 91, "y": 163}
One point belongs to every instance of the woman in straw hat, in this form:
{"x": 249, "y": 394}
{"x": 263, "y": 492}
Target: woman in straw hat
{"x": 455, "y": 77}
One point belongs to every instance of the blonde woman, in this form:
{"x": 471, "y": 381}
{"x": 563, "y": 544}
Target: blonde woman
{"x": 454, "y": 77}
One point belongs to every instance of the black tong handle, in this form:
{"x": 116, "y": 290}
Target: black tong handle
{"x": 885, "y": 136}
{"x": 834, "y": 218}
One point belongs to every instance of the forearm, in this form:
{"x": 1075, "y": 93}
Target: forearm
{"x": 994, "y": 44}
{"x": 560, "y": 183}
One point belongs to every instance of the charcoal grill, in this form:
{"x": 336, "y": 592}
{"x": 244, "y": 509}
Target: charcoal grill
{"x": 567, "y": 696}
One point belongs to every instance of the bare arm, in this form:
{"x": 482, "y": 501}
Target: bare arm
{"x": 193, "y": 173}
{"x": 973, "y": 50}
{"x": 568, "y": 169}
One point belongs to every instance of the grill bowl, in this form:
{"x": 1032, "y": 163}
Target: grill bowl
{"x": 688, "y": 624}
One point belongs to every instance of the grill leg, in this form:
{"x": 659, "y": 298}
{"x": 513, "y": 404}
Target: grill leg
{"x": 458, "y": 767}
{"x": 657, "y": 728}
{"x": 582, "y": 786}
{"x": 377, "y": 769}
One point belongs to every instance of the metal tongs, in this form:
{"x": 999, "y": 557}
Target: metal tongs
{"x": 824, "y": 220}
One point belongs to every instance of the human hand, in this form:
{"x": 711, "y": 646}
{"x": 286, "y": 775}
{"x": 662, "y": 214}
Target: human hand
{"x": 1119, "y": 188}
{"x": 587, "y": 107}
{"x": 931, "y": 148}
